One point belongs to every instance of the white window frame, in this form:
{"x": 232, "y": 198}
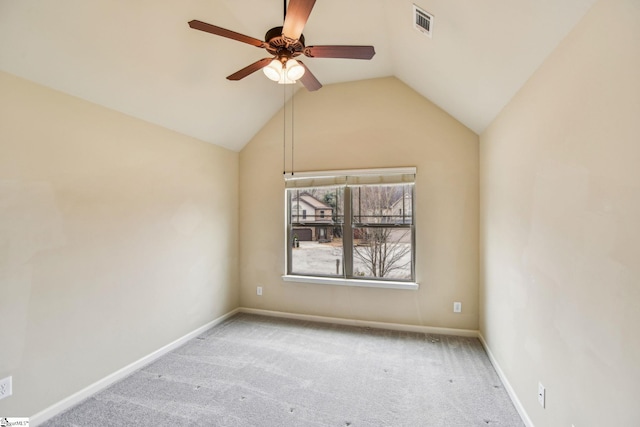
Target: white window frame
{"x": 303, "y": 177}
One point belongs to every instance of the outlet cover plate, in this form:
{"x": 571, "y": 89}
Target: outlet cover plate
{"x": 541, "y": 394}
{"x": 5, "y": 388}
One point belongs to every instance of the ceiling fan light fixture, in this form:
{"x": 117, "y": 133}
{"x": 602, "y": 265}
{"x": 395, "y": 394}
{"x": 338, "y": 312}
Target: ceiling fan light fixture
{"x": 285, "y": 74}
{"x": 274, "y": 70}
{"x": 284, "y": 80}
{"x": 294, "y": 70}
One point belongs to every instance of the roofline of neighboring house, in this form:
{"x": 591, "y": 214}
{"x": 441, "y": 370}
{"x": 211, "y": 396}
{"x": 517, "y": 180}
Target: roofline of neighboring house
{"x": 318, "y": 205}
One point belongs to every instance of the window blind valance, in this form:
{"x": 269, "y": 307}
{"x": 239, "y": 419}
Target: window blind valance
{"x": 351, "y": 177}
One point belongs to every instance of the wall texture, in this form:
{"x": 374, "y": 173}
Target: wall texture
{"x": 367, "y": 124}
{"x": 560, "y": 227}
{"x": 116, "y": 238}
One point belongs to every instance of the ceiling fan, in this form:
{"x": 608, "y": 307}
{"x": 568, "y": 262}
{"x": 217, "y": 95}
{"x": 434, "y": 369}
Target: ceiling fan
{"x": 286, "y": 43}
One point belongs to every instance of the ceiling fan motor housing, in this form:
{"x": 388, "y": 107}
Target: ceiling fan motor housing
{"x": 281, "y": 46}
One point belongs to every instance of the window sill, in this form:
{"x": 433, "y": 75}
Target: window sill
{"x": 387, "y": 284}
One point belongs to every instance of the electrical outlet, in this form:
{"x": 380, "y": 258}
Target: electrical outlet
{"x": 541, "y": 394}
{"x": 5, "y": 387}
{"x": 457, "y": 307}
{"x": 259, "y": 290}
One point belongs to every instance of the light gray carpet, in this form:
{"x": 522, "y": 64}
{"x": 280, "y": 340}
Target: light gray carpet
{"x": 261, "y": 371}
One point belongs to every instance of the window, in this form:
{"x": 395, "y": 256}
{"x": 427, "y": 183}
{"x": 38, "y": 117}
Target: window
{"x": 364, "y": 231}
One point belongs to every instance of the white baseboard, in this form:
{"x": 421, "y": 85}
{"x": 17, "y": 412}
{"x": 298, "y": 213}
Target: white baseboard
{"x": 105, "y": 382}
{"x": 512, "y": 394}
{"x": 366, "y": 323}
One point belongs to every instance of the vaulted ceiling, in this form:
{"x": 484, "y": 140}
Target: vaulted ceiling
{"x": 141, "y": 58}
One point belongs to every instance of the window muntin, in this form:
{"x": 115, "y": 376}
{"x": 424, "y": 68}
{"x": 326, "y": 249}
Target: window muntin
{"x": 367, "y": 232}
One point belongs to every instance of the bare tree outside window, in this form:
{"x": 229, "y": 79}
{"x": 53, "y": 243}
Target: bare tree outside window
{"x": 382, "y": 253}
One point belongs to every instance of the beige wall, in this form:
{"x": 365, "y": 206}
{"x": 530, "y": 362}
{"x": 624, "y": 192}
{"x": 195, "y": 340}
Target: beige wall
{"x": 560, "y": 227}
{"x": 116, "y": 238}
{"x": 368, "y": 124}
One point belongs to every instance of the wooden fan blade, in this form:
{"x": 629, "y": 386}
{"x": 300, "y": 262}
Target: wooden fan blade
{"x": 258, "y": 65}
{"x": 350, "y": 52}
{"x": 219, "y": 31}
{"x": 309, "y": 80}
{"x": 297, "y": 14}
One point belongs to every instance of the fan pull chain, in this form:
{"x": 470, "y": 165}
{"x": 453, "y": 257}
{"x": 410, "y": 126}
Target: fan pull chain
{"x": 284, "y": 129}
{"x": 293, "y": 95}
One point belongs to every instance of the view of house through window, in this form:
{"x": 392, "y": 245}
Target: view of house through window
{"x": 354, "y": 231}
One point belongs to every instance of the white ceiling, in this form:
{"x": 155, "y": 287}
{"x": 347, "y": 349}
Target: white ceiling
{"x": 141, "y": 58}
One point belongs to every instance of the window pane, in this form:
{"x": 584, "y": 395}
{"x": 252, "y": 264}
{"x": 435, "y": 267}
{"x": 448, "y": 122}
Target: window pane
{"x": 313, "y": 205}
{"x": 382, "y": 204}
{"x": 382, "y": 252}
{"x": 380, "y": 231}
{"x": 317, "y": 250}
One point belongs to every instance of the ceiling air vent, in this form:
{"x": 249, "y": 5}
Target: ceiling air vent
{"x": 422, "y": 21}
